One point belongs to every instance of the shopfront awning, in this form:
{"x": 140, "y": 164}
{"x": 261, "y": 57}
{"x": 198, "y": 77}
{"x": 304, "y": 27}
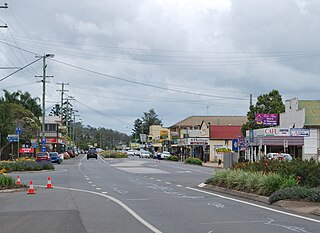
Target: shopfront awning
{"x": 278, "y": 141}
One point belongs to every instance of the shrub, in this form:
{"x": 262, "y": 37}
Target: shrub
{"x": 263, "y": 184}
{"x": 195, "y": 161}
{"x": 6, "y": 181}
{"x": 25, "y": 166}
{"x": 113, "y": 154}
{"x": 309, "y": 194}
{"x": 173, "y": 158}
{"x": 306, "y": 171}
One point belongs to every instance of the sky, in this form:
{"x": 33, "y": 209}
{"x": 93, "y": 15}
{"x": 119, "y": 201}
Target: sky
{"x": 121, "y": 58}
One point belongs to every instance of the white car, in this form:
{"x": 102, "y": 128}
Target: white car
{"x": 131, "y": 152}
{"x": 165, "y": 154}
{"x": 272, "y": 156}
{"x": 284, "y": 157}
{"x": 144, "y": 154}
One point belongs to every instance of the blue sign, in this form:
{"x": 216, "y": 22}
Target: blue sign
{"x": 18, "y": 131}
{"x": 235, "y": 145}
{"x": 44, "y": 141}
{"x": 13, "y": 138}
{"x": 43, "y": 149}
{"x": 35, "y": 145}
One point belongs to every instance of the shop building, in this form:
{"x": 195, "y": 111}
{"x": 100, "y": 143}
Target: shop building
{"x": 195, "y": 136}
{"x": 297, "y": 133}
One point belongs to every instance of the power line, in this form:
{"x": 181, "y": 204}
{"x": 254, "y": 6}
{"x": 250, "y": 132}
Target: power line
{"x": 19, "y": 69}
{"x": 141, "y": 83}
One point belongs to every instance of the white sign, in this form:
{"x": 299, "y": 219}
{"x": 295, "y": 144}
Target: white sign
{"x": 198, "y": 141}
{"x": 300, "y": 132}
{"x": 143, "y": 137}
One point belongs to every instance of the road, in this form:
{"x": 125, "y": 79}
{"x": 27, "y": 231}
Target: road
{"x": 137, "y": 195}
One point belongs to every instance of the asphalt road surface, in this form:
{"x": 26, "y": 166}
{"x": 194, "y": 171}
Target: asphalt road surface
{"x": 137, "y": 195}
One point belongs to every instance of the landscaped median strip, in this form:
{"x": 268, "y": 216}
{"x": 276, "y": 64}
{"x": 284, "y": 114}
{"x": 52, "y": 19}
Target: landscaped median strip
{"x": 297, "y": 206}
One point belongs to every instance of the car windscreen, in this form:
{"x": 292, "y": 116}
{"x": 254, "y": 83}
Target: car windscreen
{"x": 53, "y": 153}
{"x": 92, "y": 151}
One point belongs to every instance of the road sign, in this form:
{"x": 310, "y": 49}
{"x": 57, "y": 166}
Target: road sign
{"x": 43, "y": 149}
{"x": 18, "y": 131}
{"x": 13, "y": 138}
{"x": 44, "y": 141}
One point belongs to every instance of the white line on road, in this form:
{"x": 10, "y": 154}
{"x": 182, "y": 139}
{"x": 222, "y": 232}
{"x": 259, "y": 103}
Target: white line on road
{"x": 124, "y": 206}
{"x": 90, "y": 182}
{"x": 93, "y": 185}
{"x": 168, "y": 182}
{"x": 159, "y": 180}
{"x": 255, "y": 205}
{"x": 104, "y": 192}
{"x": 179, "y": 185}
{"x": 98, "y": 188}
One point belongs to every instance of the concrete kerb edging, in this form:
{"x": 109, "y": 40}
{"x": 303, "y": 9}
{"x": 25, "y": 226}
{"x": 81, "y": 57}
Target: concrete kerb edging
{"x": 297, "y": 206}
{"x": 13, "y": 190}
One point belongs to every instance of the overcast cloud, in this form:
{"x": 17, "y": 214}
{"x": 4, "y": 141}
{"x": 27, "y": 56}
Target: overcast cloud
{"x": 222, "y": 50}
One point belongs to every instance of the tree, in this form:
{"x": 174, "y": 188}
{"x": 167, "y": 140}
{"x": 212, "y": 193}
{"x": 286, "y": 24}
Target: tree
{"x": 23, "y": 99}
{"x": 266, "y": 103}
{"x": 13, "y": 115}
{"x": 142, "y": 125}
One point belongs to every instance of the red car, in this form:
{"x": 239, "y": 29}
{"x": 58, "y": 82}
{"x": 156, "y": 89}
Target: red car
{"x": 43, "y": 156}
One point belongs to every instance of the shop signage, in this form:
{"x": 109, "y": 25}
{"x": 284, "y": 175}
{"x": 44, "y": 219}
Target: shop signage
{"x": 26, "y": 150}
{"x": 198, "y": 141}
{"x": 51, "y": 140}
{"x": 266, "y": 119}
{"x": 182, "y": 141}
{"x": 164, "y": 135}
{"x": 235, "y": 145}
{"x": 194, "y": 133}
{"x": 300, "y": 132}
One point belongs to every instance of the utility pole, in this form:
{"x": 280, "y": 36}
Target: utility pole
{"x": 67, "y": 119}
{"x": 43, "y": 141}
{"x": 5, "y": 6}
{"x": 62, "y": 92}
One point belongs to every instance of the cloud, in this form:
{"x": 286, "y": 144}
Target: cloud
{"x": 223, "y": 48}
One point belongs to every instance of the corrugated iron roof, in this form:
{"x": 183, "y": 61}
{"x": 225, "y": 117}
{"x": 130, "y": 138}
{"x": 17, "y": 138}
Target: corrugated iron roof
{"x": 214, "y": 120}
{"x": 225, "y": 131}
{"x": 312, "y": 111}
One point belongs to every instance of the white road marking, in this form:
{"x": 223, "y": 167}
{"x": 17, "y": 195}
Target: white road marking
{"x": 151, "y": 178}
{"x": 93, "y": 185}
{"x": 90, "y": 182}
{"x": 98, "y": 188}
{"x": 87, "y": 178}
{"x": 141, "y": 199}
{"x": 142, "y": 170}
{"x": 216, "y": 204}
{"x": 179, "y": 185}
{"x": 159, "y": 180}
{"x": 168, "y": 182}
{"x": 104, "y": 192}
{"x": 255, "y": 205}
{"x": 124, "y": 206}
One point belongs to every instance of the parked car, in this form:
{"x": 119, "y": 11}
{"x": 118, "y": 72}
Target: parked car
{"x": 71, "y": 153}
{"x": 55, "y": 157}
{"x": 145, "y": 154}
{"x": 284, "y": 157}
{"x": 92, "y": 153}
{"x": 165, "y": 154}
{"x": 43, "y": 156}
{"x": 66, "y": 155}
{"x": 272, "y": 156}
{"x": 131, "y": 152}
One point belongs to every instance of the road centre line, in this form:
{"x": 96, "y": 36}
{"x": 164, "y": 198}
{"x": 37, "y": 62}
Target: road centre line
{"x": 255, "y": 205}
{"x": 124, "y": 206}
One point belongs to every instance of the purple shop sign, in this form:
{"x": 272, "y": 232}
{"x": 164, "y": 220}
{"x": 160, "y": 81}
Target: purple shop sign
{"x": 266, "y": 119}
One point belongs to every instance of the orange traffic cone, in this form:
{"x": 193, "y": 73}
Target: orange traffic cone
{"x": 49, "y": 185}
{"x": 31, "y": 189}
{"x": 18, "y": 180}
